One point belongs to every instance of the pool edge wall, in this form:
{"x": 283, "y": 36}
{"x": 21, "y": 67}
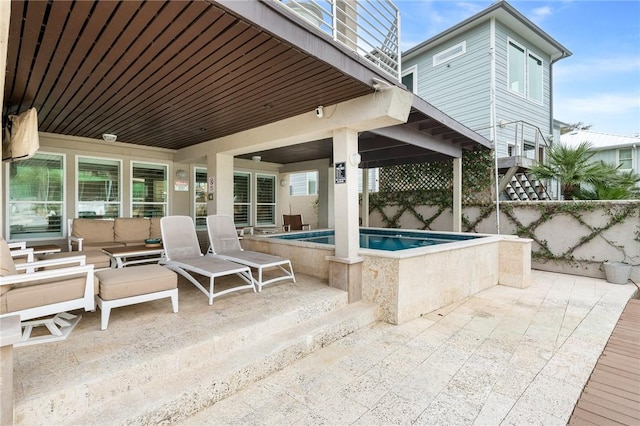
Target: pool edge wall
{"x": 410, "y": 283}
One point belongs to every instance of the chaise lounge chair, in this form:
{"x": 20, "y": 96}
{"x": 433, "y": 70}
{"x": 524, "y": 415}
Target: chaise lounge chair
{"x": 183, "y": 255}
{"x": 225, "y": 244}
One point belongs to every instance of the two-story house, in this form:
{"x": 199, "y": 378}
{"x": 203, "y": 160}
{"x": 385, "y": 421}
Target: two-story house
{"x": 494, "y": 73}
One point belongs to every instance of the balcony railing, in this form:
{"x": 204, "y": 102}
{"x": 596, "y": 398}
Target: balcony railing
{"x": 369, "y": 27}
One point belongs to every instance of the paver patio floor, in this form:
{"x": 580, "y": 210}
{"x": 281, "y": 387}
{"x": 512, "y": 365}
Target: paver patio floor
{"x": 504, "y": 356}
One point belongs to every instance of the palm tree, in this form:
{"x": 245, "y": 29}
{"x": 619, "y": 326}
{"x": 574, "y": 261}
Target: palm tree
{"x": 572, "y": 167}
{"x": 620, "y": 186}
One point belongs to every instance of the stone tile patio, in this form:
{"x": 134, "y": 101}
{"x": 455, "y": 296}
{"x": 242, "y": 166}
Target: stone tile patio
{"x": 504, "y": 356}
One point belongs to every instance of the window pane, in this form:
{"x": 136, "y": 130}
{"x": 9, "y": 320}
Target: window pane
{"x": 242, "y": 199}
{"x": 516, "y": 68}
{"x": 535, "y": 78}
{"x": 624, "y": 159}
{"x": 98, "y": 188}
{"x": 407, "y": 80}
{"x": 265, "y": 200}
{"x": 149, "y": 190}
{"x": 200, "y": 197}
{"x": 305, "y": 183}
{"x": 36, "y": 188}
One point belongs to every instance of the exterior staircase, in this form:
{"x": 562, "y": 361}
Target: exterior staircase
{"x": 523, "y": 187}
{"x": 200, "y": 356}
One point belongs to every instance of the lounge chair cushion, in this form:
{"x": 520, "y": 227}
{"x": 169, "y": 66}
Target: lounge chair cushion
{"x": 7, "y": 266}
{"x": 37, "y": 294}
{"x": 97, "y": 258}
{"x": 131, "y": 231}
{"x": 134, "y": 281}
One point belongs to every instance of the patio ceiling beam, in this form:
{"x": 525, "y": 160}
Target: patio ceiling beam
{"x": 430, "y": 157}
{"x": 420, "y": 139}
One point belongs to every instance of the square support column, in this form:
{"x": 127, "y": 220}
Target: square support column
{"x": 220, "y": 168}
{"x": 346, "y": 266}
{"x": 10, "y": 333}
{"x": 457, "y": 194}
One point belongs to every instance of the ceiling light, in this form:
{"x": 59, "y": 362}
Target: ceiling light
{"x": 108, "y": 137}
{"x": 256, "y": 158}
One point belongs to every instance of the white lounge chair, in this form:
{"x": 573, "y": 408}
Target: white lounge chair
{"x": 225, "y": 243}
{"x": 183, "y": 255}
{"x": 42, "y": 297}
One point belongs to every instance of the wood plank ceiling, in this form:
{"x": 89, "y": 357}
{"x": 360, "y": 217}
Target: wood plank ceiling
{"x": 168, "y": 74}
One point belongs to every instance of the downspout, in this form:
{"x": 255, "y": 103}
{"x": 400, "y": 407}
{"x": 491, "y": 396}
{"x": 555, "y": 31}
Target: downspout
{"x": 553, "y": 61}
{"x": 492, "y": 113}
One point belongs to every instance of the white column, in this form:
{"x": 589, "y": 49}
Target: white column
{"x": 220, "y": 168}
{"x": 5, "y": 21}
{"x": 347, "y": 238}
{"x": 457, "y": 194}
{"x": 364, "y": 209}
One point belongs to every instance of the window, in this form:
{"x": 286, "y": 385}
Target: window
{"x": 242, "y": 199}
{"x": 410, "y": 79}
{"x": 303, "y": 183}
{"x": 36, "y": 197}
{"x": 98, "y": 188}
{"x": 524, "y": 72}
{"x": 625, "y": 159}
{"x": 374, "y": 182}
{"x": 535, "y": 78}
{"x": 450, "y": 53}
{"x": 200, "y": 196}
{"x": 516, "y": 68}
{"x": 265, "y": 200}
{"x": 148, "y": 190}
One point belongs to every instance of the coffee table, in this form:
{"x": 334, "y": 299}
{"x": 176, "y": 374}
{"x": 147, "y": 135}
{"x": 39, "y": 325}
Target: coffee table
{"x": 140, "y": 254}
{"x": 46, "y": 249}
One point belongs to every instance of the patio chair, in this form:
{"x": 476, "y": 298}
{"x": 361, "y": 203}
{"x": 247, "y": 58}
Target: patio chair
{"x": 183, "y": 255}
{"x": 225, "y": 243}
{"x": 294, "y": 222}
{"x": 34, "y": 294}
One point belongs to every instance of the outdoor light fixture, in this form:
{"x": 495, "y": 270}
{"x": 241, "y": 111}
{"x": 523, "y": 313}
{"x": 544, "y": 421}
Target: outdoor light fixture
{"x": 256, "y": 158}
{"x": 355, "y": 159}
{"x": 108, "y": 137}
{"x": 320, "y": 112}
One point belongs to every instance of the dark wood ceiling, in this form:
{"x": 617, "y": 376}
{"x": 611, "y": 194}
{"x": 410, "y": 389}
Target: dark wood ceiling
{"x": 168, "y": 74}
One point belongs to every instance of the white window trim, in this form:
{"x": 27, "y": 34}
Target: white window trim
{"x": 63, "y": 210}
{"x": 527, "y": 52}
{"x": 438, "y": 60}
{"x": 254, "y": 198}
{"x": 251, "y": 202}
{"x": 412, "y": 70}
{"x": 166, "y": 202}
{"x": 77, "y": 174}
{"x": 618, "y": 159}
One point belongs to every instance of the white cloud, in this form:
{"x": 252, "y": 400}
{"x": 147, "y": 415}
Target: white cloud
{"x": 539, "y": 14}
{"x": 594, "y": 67}
{"x": 607, "y": 112}
{"x": 602, "y": 103}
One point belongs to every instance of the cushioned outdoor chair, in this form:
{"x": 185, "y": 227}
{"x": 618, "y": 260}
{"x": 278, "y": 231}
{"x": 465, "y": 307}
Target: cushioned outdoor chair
{"x": 294, "y": 222}
{"x": 42, "y": 297}
{"x": 183, "y": 255}
{"x": 225, "y": 243}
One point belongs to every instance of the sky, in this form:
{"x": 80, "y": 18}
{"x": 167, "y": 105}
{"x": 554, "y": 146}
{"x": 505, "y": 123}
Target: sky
{"x": 599, "y": 85}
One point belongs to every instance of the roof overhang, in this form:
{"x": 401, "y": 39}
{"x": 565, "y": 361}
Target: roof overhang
{"x": 509, "y": 16}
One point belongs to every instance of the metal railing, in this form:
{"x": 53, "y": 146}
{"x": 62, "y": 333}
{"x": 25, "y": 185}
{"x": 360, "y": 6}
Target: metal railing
{"x": 369, "y": 27}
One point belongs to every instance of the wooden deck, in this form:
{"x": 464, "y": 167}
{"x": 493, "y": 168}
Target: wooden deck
{"x": 612, "y": 394}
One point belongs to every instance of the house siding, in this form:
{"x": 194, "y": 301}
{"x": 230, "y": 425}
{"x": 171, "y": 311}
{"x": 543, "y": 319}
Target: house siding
{"x": 459, "y": 87}
{"x": 514, "y": 107}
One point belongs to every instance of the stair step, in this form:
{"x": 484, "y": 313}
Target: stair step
{"x": 181, "y": 393}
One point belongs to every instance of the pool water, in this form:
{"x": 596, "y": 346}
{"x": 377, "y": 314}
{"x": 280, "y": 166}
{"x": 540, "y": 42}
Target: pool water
{"x": 382, "y": 239}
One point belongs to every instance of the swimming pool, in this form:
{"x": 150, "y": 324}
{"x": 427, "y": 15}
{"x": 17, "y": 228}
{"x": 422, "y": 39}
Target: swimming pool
{"x": 382, "y": 239}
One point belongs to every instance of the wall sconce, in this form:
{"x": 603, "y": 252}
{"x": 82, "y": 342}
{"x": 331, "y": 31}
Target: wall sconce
{"x": 283, "y": 182}
{"x": 256, "y": 158}
{"x": 108, "y": 137}
{"x": 355, "y": 159}
{"x": 181, "y": 174}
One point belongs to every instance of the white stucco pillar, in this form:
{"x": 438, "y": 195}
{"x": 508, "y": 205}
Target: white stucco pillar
{"x": 220, "y": 183}
{"x": 345, "y": 268}
{"x": 345, "y": 146}
{"x": 5, "y": 21}
{"x": 364, "y": 209}
{"x": 457, "y": 194}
